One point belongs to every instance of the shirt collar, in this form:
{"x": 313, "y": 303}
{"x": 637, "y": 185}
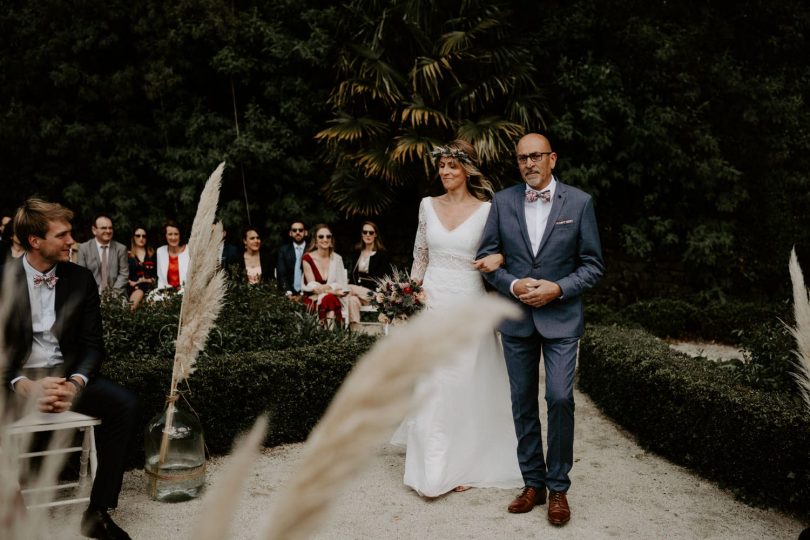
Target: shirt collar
{"x": 30, "y": 271}
{"x": 551, "y": 187}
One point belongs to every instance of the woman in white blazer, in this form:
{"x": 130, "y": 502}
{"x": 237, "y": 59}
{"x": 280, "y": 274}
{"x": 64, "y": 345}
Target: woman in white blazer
{"x": 172, "y": 259}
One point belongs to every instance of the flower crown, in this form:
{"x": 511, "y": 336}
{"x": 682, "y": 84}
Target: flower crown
{"x": 444, "y": 151}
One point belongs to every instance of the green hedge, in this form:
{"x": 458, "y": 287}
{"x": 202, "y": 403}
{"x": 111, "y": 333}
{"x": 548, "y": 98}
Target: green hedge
{"x": 265, "y": 355}
{"x": 693, "y": 412}
{"x": 689, "y": 319}
{"x": 229, "y": 391}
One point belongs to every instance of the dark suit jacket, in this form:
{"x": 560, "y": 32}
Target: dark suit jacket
{"x": 77, "y": 327}
{"x": 285, "y": 267}
{"x": 569, "y": 254}
{"x": 378, "y": 267}
{"x": 117, "y": 263}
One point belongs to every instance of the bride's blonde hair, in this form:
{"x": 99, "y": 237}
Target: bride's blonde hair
{"x": 464, "y": 153}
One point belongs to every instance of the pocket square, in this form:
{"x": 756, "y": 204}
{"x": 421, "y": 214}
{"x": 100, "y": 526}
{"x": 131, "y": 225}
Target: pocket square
{"x": 564, "y": 222}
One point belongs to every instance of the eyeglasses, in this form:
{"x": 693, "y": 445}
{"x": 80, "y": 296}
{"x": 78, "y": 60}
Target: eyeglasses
{"x": 322, "y": 236}
{"x": 536, "y": 157}
{"x": 369, "y": 233}
{"x": 139, "y": 235}
{"x": 297, "y": 230}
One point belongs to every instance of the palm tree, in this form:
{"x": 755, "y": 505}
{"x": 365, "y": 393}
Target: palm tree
{"x": 414, "y": 74}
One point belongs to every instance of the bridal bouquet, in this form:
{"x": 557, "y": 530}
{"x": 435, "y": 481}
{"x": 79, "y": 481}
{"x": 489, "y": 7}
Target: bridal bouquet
{"x": 397, "y": 297}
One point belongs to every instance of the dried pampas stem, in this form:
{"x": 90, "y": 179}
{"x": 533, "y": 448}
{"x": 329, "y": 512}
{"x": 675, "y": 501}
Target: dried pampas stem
{"x": 202, "y": 298}
{"x": 371, "y": 402}
{"x": 218, "y": 506}
{"x": 802, "y": 330}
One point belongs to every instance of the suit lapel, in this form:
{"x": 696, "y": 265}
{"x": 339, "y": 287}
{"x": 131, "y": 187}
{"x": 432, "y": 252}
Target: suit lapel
{"x": 556, "y": 207}
{"x": 520, "y": 211}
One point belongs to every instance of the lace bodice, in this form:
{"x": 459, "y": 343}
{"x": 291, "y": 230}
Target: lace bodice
{"x": 446, "y": 254}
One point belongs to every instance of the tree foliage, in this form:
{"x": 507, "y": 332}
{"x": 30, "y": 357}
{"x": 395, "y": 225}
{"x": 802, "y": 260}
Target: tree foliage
{"x": 414, "y": 74}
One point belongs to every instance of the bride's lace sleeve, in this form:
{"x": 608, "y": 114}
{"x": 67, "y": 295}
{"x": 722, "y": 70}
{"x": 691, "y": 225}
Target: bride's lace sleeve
{"x": 420, "y": 247}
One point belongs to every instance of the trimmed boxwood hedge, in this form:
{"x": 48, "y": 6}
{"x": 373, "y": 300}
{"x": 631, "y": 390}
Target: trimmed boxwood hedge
{"x": 230, "y": 391}
{"x": 264, "y": 355}
{"x": 692, "y": 412}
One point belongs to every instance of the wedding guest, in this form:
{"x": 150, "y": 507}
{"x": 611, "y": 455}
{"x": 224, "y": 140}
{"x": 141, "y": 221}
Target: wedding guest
{"x": 172, "y": 259}
{"x": 142, "y": 267}
{"x": 255, "y": 264}
{"x": 104, "y": 257}
{"x": 371, "y": 264}
{"x": 325, "y": 280}
{"x": 228, "y": 253}
{"x": 288, "y": 261}
{"x": 12, "y": 248}
{"x": 55, "y": 348}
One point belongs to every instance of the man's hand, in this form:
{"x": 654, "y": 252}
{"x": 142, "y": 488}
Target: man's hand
{"x": 53, "y": 394}
{"x": 537, "y": 292}
{"x": 490, "y": 263}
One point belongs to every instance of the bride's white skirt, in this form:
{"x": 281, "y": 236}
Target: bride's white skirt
{"x": 462, "y": 433}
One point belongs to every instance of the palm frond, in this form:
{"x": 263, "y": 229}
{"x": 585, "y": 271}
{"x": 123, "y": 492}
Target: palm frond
{"x": 357, "y": 194}
{"x": 801, "y": 307}
{"x": 493, "y": 136}
{"x": 418, "y": 114}
{"x": 428, "y": 73}
{"x": 351, "y": 129}
{"x": 412, "y": 146}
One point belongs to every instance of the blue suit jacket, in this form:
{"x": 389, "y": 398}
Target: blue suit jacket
{"x": 570, "y": 255}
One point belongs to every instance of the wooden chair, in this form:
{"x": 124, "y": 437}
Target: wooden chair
{"x": 50, "y": 422}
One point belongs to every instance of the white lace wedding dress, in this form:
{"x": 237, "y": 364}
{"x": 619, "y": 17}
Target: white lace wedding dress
{"x": 463, "y": 433}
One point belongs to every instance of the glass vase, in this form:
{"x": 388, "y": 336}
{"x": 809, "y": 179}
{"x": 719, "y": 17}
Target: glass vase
{"x": 180, "y": 475}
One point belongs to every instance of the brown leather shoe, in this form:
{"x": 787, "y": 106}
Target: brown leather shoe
{"x": 558, "y": 511}
{"x": 527, "y": 500}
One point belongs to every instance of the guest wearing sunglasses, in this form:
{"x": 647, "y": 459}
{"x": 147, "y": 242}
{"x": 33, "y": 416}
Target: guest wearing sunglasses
{"x": 325, "y": 281}
{"x": 288, "y": 261}
{"x": 142, "y": 267}
{"x": 371, "y": 264}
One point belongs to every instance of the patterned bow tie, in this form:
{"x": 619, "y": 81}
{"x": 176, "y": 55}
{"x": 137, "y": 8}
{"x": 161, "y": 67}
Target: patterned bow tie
{"x": 532, "y": 195}
{"x": 49, "y": 281}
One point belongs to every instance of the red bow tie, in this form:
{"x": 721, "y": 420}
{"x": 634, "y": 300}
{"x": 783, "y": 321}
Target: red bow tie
{"x": 532, "y": 195}
{"x": 49, "y": 281}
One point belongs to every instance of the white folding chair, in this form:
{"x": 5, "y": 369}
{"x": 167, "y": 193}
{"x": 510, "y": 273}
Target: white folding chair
{"x": 45, "y": 422}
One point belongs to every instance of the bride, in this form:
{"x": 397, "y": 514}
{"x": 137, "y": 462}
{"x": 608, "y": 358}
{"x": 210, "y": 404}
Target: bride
{"x": 462, "y": 435}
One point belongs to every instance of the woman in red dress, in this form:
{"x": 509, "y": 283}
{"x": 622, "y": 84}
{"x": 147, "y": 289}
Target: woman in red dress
{"x": 325, "y": 280}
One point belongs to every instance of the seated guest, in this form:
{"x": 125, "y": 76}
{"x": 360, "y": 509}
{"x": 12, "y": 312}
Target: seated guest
{"x": 371, "y": 264}
{"x": 172, "y": 259}
{"x": 288, "y": 261}
{"x": 142, "y": 267}
{"x": 255, "y": 264}
{"x": 325, "y": 280}
{"x": 104, "y": 257}
{"x": 13, "y": 248}
{"x": 228, "y": 253}
{"x": 54, "y": 346}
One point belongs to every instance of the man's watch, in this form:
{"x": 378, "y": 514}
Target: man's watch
{"x": 77, "y": 384}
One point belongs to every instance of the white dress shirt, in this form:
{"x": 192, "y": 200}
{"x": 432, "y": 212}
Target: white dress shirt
{"x": 45, "y": 352}
{"x": 537, "y": 213}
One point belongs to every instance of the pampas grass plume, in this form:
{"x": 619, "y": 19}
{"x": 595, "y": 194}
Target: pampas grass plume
{"x": 801, "y": 332}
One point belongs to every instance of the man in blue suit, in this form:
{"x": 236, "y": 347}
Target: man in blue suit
{"x": 547, "y": 233}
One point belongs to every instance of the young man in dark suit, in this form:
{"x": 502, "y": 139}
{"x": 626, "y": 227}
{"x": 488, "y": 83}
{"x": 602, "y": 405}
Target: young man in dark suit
{"x": 54, "y": 349}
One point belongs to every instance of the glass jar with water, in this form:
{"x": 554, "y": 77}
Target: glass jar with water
{"x": 175, "y": 456}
